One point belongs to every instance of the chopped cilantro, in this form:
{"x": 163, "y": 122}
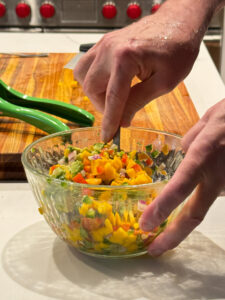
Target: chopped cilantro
{"x": 148, "y": 148}
{"x": 163, "y": 224}
{"x": 155, "y": 153}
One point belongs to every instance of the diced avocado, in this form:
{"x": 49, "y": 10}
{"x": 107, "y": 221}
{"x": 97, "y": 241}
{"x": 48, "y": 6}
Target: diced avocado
{"x": 98, "y": 146}
{"x": 76, "y": 167}
{"x": 86, "y": 199}
{"x": 90, "y": 213}
{"x": 58, "y": 173}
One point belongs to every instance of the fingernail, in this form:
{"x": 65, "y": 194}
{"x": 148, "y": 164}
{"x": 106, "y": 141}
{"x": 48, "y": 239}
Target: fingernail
{"x": 155, "y": 252}
{"x": 146, "y": 226}
{"x": 105, "y": 136}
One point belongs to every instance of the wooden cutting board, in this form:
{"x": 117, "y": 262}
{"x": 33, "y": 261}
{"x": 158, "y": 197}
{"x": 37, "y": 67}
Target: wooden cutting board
{"x": 45, "y": 77}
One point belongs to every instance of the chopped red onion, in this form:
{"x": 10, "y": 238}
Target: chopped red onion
{"x": 83, "y": 173}
{"x": 142, "y": 205}
{"x": 61, "y": 161}
{"x": 72, "y": 156}
{"x": 94, "y": 157}
{"x": 122, "y": 172}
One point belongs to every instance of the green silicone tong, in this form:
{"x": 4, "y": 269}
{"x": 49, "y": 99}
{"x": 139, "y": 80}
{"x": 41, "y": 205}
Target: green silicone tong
{"x": 23, "y": 107}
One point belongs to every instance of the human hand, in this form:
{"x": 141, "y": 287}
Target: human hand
{"x": 158, "y": 52}
{"x": 201, "y": 171}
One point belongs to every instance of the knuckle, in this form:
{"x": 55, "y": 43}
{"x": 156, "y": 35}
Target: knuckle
{"x": 169, "y": 84}
{"x": 195, "y": 220}
{"x": 87, "y": 87}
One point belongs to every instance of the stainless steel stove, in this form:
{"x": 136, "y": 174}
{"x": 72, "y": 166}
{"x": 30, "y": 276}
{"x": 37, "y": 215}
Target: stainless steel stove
{"x": 73, "y": 13}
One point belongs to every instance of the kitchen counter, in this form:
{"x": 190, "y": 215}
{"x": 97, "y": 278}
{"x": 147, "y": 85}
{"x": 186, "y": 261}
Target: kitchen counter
{"x": 36, "y": 265}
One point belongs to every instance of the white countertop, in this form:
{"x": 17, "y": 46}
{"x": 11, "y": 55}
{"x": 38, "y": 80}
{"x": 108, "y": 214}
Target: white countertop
{"x": 36, "y": 265}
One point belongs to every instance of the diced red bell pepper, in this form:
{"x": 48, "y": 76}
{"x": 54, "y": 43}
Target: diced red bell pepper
{"x": 111, "y": 152}
{"x": 79, "y": 178}
{"x": 124, "y": 158}
{"x": 125, "y": 226}
{"x": 52, "y": 169}
{"x": 137, "y": 167}
{"x": 149, "y": 162}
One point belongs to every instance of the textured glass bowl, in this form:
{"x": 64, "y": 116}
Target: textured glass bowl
{"x": 114, "y": 230}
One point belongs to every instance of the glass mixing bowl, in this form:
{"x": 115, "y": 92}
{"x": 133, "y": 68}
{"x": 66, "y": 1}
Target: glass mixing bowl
{"x": 113, "y": 229}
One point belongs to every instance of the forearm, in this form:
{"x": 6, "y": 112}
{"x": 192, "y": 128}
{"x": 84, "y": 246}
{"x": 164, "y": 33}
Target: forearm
{"x": 190, "y": 18}
{"x": 197, "y": 14}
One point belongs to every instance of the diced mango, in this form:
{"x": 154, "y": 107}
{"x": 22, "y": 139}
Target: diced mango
{"x": 84, "y": 154}
{"x": 165, "y": 149}
{"x": 73, "y": 234}
{"x": 125, "y": 215}
{"x": 105, "y": 196}
{"x": 118, "y": 219}
{"x": 131, "y": 217}
{"x": 95, "y": 181}
{"x": 118, "y": 236}
{"x": 112, "y": 219}
{"x": 74, "y": 83}
{"x": 136, "y": 225}
{"x": 104, "y": 208}
{"x": 131, "y": 173}
{"x": 84, "y": 208}
{"x": 95, "y": 164}
{"x": 116, "y": 163}
{"x": 131, "y": 163}
{"x": 99, "y": 234}
{"x": 108, "y": 224}
{"x": 132, "y": 154}
{"x": 109, "y": 173}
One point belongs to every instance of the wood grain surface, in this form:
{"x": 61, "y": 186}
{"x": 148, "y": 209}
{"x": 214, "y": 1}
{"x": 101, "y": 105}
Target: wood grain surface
{"x": 45, "y": 77}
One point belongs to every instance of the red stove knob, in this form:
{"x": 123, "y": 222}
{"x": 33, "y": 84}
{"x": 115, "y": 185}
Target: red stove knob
{"x": 134, "y": 10}
{"x": 109, "y": 10}
{"x": 23, "y": 10}
{"x": 47, "y": 10}
{"x": 2, "y": 9}
{"x": 155, "y": 7}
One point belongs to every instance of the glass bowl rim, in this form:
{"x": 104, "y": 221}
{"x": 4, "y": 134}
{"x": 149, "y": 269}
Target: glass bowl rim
{"x": 90, "y": 186}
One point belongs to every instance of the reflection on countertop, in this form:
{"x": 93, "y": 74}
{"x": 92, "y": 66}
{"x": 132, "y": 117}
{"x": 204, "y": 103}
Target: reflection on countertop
{"x": 192, "y": 271}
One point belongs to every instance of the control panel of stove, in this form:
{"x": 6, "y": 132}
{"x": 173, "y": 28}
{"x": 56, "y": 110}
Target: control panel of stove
{"x": 74, "y": 13}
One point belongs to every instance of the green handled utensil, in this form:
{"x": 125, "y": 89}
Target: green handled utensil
{"x": 64, "y": 110}
{"x": 39, "y": 119}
